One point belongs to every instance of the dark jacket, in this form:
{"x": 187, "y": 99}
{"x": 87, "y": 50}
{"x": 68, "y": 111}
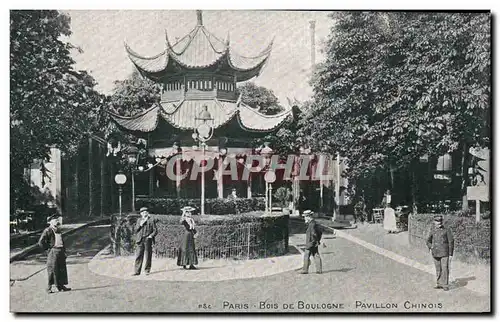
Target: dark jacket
{"x": 313, "y": 234}
{"x": 440, "y": 242}
{"x": 148, "y": 229}
{"x": 48, "y": 239}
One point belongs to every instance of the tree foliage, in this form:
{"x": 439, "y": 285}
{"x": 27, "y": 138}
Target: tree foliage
{"x": 398, "y": 85}
{"x": 51, "y": 104}
{"x": 134, "y": 95}
{"x": 259, "y": 97}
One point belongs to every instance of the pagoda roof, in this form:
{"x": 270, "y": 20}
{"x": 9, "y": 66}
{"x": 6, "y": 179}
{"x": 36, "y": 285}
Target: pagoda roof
{"x": 197, "y": 50}
{"x": 182, "y": 115}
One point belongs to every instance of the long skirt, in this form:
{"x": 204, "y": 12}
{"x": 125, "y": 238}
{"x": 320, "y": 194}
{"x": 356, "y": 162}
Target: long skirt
{"x": 187, "y": 252}
{"x": 390, "y": 220}
{"x": 56, "y": 267}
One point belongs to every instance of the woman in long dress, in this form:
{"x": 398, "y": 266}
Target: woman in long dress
{"x": 187, "y": 251}
{"x": 390, "y": 224}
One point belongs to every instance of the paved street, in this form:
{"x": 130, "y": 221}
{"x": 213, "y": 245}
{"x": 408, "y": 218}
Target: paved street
{"x": 354, "y": 279}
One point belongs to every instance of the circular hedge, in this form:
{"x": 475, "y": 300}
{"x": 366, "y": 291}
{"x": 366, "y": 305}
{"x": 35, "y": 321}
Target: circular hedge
{"x": 245, "y": 236}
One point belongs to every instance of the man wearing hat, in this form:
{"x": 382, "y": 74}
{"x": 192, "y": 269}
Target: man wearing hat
{"x": 313, "y": 239}
{"x": 145, "y": 232}
{"x": 441, "y": 244}
{"x": 52, "y": 241}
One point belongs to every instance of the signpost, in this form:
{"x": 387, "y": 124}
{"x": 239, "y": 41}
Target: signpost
{"x": 479, "y": 191}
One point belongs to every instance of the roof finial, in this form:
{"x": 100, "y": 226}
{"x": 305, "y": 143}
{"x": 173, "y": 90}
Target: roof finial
{"x": 200, "y": 17}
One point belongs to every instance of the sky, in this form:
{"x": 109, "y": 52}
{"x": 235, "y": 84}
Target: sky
{"x": 102, "y": 33}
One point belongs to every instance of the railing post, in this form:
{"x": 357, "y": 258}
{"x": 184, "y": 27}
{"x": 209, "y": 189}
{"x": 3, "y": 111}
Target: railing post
{"x": 248, "y": 241}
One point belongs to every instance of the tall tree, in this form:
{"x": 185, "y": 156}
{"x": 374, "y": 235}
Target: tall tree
{"x": 51, "y": 104}
{"x": 134, "y": 94}
{"x": 259, "y": 97}
{"x": 396, "y": 86}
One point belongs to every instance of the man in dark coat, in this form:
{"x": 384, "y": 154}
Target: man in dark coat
{"x": 145, "y": 232}
{"x": 313, "y": 239}
{"x": 441, "y": 244}
{"x": 52, "y": 241}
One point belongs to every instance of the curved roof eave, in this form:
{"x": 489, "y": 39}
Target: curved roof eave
{"x": 148, "y": 64}
{"x": 254, "y": 121}
{"x": 145, "y": 121}
{"x": 246, "y": 63}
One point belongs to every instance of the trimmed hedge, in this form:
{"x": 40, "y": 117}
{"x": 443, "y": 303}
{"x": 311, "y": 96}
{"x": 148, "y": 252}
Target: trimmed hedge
{"x": 172, "y": 206}
{"x": 472, "y": 240}
{"x": 230, "y": 236}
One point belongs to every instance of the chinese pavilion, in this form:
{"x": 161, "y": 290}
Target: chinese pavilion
{"x": 199, "y": 73}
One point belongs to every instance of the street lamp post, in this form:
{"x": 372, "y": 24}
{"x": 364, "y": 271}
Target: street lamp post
{"x": 120, "y": 179}
{"x": 203, "y": 133}
{"x": 269, "y": 177}
{"x": 132, "y": 155}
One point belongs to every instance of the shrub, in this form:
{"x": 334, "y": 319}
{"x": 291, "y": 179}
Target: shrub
{"x": 239, "y": 236}
{"x": 217, "y": 206}
{"x": 472, "y": 240}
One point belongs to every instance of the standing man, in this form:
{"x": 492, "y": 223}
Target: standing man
{"x": 441, "y": 244}
{"x": 145, "y": 232}
{"x": 52, "y": 241}
{"x": 313, "y": 239}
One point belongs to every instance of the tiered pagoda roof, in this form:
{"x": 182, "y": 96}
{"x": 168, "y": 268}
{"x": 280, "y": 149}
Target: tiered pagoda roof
{"x": 200, "y": 71}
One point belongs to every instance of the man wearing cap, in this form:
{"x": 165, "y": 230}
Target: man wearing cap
{"x": 145, "y": 232}
{"x": 441, "y": 244}
{"x": 313, "y": 239}
{"x": 52, "y": 241}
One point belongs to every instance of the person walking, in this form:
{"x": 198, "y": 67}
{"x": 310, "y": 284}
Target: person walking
{"x": 51, "y": 240}
{"x": 145, "y": 232}
{"x": 187, "y": 250}
{"x": 441, "y": 245}
{"x": 313, "y": 239}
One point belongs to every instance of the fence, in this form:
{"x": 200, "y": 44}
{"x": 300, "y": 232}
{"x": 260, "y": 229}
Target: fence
{"x": 261, "y": 238}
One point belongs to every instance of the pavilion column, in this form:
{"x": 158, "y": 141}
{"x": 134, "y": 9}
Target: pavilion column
{"x": 320, "y": 169}
{"x": 220, "y": 177}
{"x": 249, "y": 186}
{"x": 151, "y": 183}
{"x": 178, "y": 177}
{"x": 295, "y": 184}
{"x": 102, "y": 176}
{"x": 151, "y": 188}
{"x": 91, "y": 176}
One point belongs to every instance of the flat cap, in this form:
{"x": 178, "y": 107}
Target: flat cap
{"x": 54, "y": 216}
{"x": 438, "y": 218}
{"x": 143, "y": 209}
{"x": 308, "y": 213}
